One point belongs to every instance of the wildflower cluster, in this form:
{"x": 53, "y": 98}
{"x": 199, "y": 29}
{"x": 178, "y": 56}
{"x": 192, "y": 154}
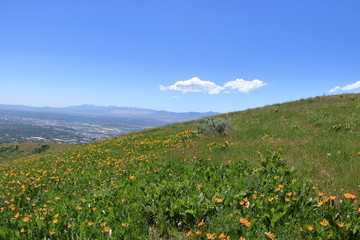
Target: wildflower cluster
{"x": 139, "y": 186}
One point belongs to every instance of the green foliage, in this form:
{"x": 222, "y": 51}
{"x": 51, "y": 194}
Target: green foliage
{"x": 41, "y": 149}
{"x": 274, "y": 160}
{"x": 156, "y": 186}
{"x": 212, "y": 125}
{"x": 10, "y": 149}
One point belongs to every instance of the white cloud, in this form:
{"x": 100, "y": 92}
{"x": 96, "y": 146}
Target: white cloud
{"x": 335, "y": 89}
{"x": 244, "y": 86}
{"x": 352, "y": 86}
{"x": 194, "y": 85}
{"x": 197, "y": 85}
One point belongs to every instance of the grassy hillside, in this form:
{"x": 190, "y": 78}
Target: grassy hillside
{"x": 319, "y": 136}
{"x": 12, "y": 151}
{"x": 285, "y": 171}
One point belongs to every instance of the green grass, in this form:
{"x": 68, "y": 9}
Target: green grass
{"x": 12, "y": 151}
{"x": 310, "y": 137}
{"x": 171, "y": 183}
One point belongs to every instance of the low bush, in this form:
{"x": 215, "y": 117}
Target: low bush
{"x": 210, "y": 126}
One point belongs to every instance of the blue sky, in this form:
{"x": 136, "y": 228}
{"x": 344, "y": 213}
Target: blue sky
{"x": 177, "y": 55}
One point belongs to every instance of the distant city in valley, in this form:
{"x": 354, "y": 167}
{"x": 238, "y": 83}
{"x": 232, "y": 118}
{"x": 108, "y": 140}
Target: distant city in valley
{"x": 81, "y": 124}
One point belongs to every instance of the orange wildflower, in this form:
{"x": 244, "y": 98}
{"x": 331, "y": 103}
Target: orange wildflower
{"x": 270, "y": 235}
{"x": 125, "y": 225}
{"x": 341, "y": 224}
{"x": 349, "y": 196}
{"x": 201, "y": 223}
{"x": 245, "y": 222}
{"x": 188, "y": 234}
{"x": 310, "y": 228}
{"x": 218, "y": 200}
{"x": 107, "y": 229}
{"x": 210, "y": 235}
{"x": 25, "y": 219}
{"x": 324, "y": 223}
{"x": 222, "y": 236}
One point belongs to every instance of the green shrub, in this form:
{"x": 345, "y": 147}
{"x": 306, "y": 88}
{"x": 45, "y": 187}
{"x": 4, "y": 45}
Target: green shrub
{"x": 209, "y": 126}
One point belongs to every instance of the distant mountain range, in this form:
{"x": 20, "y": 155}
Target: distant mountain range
{"x": 81, "y": 124}
{"x": 115, "y": 111}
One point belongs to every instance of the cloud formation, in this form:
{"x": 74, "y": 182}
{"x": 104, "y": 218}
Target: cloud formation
{"x": 244, "y": 86}
{"x": 197, "y": 85}
{"x": 194, "y": 85}
{"x": 352, "y": 86}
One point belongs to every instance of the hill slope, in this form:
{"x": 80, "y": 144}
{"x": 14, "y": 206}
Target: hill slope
{"x": 171, "y": 183}
{"x": 319, "y": 136}
{"x": 12, "y": 151}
